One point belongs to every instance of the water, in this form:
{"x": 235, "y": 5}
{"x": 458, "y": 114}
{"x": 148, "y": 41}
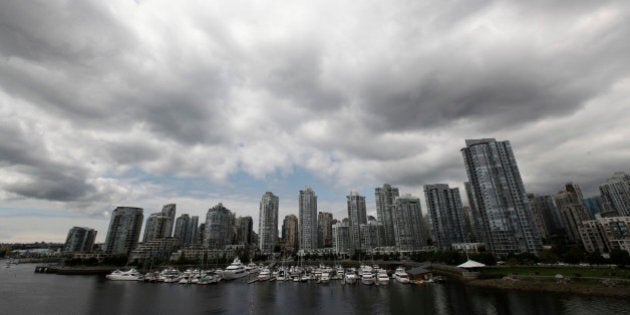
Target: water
{"x": 24, "y": 292}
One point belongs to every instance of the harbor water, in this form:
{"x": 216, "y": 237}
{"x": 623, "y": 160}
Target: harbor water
{"x": 24, "y": 292}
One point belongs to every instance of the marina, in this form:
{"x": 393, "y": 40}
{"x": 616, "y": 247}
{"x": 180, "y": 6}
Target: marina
{"x": 26, "y": 292}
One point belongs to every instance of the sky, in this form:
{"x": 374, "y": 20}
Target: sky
{"x": 144, "y": 103}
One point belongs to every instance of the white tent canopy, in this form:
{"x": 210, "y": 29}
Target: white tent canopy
{"x": 471, "y": 264}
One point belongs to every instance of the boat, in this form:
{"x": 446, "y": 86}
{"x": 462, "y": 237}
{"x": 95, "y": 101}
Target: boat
{"x": 130, "y": 275}
{"x": 235, "y": 270}
{"x": 367, "y": 277}
{"x": 401, "y": 275}
{"x": 264, "y": 275}
{"x": 325, "y": 277}
{"x": 382, "y": 278}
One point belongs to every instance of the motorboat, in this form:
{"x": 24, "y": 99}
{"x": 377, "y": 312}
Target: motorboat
{"x": 350, "y": 278}
{"x": 264, "y": 275}
{"x": 401, "y": 275}
{"x": 130, "y": 275}
{"x": 382, "y": 278}
{"x": 367, "y": 277}
{"x": 235, "y": 270}
{"x": 325, "y": 277}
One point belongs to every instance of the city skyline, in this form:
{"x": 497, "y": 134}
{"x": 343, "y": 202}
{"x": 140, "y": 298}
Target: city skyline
{"x": 111, "y": 104}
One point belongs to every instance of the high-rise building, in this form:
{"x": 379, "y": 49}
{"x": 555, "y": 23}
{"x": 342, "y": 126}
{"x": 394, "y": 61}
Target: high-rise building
{"x": 372, "y": 235}
{"x": 192, "y": 233}
{"x": 160, "y": 224}
{"x": 616, "y": 194}
{"x": 572, "y": 211}
{"x": 506, "y": 223}
{"x": 546, "y": 215}
{"x": 594, "y": 205}
{"x": 341, "y": 237}
{"x": 385, "y": 197}
{"x": 181, "y": 227}
{"x": 155, "y": 227}
{"x": 268, "y": 223}
{"x": 244, "y": 229}
{"x": 408, "y": 224}
{"x": 324, "y": 229}
{"x": 169, "y": 211}
{"x": 308, "y": 219}
{"x": 80, "y": 239}
{"x": 475, "y": 216}
{"x": 218, "y": 228}
{"x": 605, "y": 234}
{"x": 290, "y": 233}
{"x": 447, "y": 217}
{"x": 357, "y": 215}
{"x": 124, "y": 230}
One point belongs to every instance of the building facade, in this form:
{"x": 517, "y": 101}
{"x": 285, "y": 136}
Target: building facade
{"x": 244, "y": 230}
{"x": 447, "y": 216}
{"x": 408, "y": 224}
{"x": 616, "y": 194}
{"x": 268, "y": 223}
{"x": 385, "y": 197}
{"x": 182, "y": 224}
{"x": 341, "y": 237}
{"x": 308, "y": 220}
{"x": 80, "y": 239}
{"x": 124, "y": 230}
{"x": 324, "y": 229}
{"x": 218, "y": 227}
{"x": 572, "y": 210}
{"x": 357, "y": 215}
{"x": 290, "y": 231}
{"x": 155, "y": 227}
{"x": 169, "y": 211}
{"x": 506, "y": 224}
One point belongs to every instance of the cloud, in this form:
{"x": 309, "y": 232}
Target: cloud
{"x": 104, "y": 104}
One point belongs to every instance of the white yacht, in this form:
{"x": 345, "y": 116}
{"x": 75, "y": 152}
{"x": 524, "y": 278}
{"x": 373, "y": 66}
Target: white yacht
{"x": 382, "y": 278}
{"x": 367, "y": 277}
{"x": 264, "y": 275}
{"x": 131, "y": 275}
{"x": 401, "y": 275}
{"x": 325, "y": 277}
{"x": 235, "y": 270}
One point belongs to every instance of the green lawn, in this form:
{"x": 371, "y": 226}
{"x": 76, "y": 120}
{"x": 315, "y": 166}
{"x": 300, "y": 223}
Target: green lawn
{"x": 552, "y": 271}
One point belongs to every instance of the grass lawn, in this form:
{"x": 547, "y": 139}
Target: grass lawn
{"x": 552, "y": 271}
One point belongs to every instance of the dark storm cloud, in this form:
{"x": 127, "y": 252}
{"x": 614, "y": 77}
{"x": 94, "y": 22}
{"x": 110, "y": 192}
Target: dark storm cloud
{"x": 372, "y": 89}
{"x": 40, "y": 177}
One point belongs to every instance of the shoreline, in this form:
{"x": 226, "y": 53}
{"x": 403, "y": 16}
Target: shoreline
{"x": 588, "y": 289}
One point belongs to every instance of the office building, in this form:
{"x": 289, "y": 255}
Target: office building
{"x": 572, "y": 211}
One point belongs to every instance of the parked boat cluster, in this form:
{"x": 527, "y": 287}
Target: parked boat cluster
{"x": 365, "y": 274}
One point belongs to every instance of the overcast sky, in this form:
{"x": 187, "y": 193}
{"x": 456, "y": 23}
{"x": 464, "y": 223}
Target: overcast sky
{"x": 111, "y": 103}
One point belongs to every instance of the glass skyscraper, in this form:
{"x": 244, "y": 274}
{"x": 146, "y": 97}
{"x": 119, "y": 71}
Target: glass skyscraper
{"x": 308, "y": 220}
{"x": 268, "y": 223}
{"x": 124, "y": 230}
{"x": 506, "y": 224}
